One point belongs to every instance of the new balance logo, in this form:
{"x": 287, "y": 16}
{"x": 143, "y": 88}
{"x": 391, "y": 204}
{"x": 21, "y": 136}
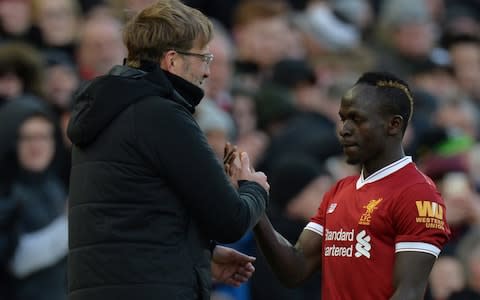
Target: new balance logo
{"x": 363, "y": 246}
{"x": 331, "y": 208}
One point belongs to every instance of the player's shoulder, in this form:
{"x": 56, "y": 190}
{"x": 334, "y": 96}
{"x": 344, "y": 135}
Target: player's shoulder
{"x": 344, "y": 185}
{"x": 413, "y": 177}
{"x": 417, "y": 185}
{"x": 345, "y": 182}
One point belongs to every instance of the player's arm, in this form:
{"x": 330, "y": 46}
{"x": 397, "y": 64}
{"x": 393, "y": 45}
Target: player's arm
{"x": 291, "y": 264}
{"x": 417, "y": 245}
{"x": 411, "y": 273}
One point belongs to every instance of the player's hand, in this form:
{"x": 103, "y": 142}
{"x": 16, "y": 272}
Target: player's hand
{"x": 230, "y": 266}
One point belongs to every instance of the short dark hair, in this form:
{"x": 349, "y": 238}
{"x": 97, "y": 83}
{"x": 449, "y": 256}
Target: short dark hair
{"x": 393, "y": 93}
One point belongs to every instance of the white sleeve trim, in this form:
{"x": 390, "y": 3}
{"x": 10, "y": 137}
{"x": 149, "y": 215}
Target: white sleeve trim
{"x": 40, "y": 249}
{"x": 312, "y": 226}
{"x": 417, "y": 247}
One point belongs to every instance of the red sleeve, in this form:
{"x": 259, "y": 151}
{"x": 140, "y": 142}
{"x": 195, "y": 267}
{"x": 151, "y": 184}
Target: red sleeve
{"x": 419, "y": 220}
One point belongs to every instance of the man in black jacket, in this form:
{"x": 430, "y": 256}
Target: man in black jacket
{"x": 147, "y": 194}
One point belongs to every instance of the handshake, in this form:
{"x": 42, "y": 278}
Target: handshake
{"x": 237, "y": 166}
{"x": 228, "y": 265}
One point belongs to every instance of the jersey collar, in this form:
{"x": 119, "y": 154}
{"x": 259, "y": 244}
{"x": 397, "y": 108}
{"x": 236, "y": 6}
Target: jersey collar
{"x": 384, "y": 172}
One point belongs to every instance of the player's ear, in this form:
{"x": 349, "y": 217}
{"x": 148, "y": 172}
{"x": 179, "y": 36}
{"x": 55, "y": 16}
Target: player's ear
{"x": 395, "y": 125}
{"x": 167, "y": 62}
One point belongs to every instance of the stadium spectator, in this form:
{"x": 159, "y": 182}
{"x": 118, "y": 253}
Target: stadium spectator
{"x": 39, "y": 257}
{"x": 100, "y": 46}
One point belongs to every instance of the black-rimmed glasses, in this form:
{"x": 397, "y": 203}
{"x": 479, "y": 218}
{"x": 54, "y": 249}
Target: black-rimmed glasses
{"x": 207, "y": 57}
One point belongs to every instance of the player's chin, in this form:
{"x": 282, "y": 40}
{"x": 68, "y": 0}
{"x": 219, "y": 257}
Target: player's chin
{"x": 352, "y": 160}
{"x": 351, "y": 155}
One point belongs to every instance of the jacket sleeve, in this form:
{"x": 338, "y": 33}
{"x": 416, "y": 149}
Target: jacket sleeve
{"x": 179, "y": 151}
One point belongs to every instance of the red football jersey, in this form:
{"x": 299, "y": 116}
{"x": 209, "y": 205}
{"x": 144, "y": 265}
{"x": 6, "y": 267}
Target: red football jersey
{"x": 364, "y": 222}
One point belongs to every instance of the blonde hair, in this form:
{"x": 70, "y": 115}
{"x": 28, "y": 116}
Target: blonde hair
{"x": 400, "y": 86}
{"x": 395, "y": 95}
{"x": 165, "y": 25}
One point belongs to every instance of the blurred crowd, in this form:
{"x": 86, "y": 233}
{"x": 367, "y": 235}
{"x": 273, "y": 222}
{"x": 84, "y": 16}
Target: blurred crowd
{"x": 279, "y": 71}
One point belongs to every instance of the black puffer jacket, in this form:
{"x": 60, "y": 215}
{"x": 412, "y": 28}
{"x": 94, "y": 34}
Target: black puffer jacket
{"x": 147, "y": 192}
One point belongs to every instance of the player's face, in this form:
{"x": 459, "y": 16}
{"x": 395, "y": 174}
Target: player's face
{"x": 194, "y": 65}
{"x": 362, "y": 132}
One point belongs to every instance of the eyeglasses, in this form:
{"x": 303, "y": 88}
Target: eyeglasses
{"x": 206, "y": 58}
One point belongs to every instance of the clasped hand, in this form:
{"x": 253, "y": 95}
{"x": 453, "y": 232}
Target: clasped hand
{"x": 239, "y": 168}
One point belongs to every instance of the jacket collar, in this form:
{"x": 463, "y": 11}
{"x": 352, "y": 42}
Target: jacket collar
{"x": 181, "y": 89}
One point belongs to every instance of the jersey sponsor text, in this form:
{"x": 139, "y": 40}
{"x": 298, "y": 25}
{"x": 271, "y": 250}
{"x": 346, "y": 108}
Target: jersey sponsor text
{"x": 362, "y": 245}
{"x": 339, "y": 235}
{"x": 431, "y": 214}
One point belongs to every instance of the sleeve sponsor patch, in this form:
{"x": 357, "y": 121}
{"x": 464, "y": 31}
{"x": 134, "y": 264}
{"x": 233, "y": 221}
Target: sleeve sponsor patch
{"x": 431, "y": 214}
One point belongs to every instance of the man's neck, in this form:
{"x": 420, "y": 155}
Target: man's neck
{"x": 373, "y": 166}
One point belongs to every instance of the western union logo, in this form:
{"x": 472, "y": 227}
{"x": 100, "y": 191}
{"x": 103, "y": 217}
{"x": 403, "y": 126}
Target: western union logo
{"x": 429, "y": 209}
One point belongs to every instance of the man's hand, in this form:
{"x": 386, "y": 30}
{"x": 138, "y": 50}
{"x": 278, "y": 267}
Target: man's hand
{"x": 246, "y": 172}
{"x": 238, "y": 167}
{"x": 229, "y": 155}
{"x": 230, "y": 266}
